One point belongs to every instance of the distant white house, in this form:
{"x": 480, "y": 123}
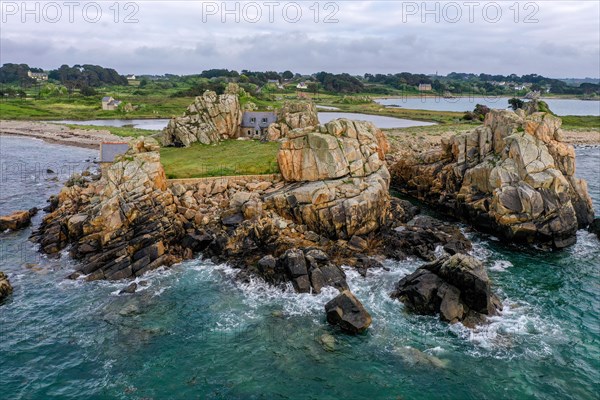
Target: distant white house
{"x": 302, "y": 86}
{"x": 110, "y": 104}
{"x": 110, "y": 150}
{"x": 131, "y": 77}
{"x": 424, "y": 87}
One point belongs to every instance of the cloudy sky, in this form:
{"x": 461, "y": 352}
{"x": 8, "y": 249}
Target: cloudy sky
{"x": 551, "y": 38}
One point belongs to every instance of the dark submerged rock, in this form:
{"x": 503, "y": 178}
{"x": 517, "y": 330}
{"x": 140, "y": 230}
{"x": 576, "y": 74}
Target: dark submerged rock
{"x": 348, "y": 313}
{"x": 455, "y": 287}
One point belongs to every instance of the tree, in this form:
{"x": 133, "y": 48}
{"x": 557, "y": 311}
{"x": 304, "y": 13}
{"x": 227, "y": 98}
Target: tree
{"x": 515, "y": 103}
{"x": 88, "y": 91}
{"x": 287, "y": 75}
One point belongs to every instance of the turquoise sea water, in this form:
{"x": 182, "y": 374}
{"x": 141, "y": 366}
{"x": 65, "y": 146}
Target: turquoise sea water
{"x": 193, "y": 332}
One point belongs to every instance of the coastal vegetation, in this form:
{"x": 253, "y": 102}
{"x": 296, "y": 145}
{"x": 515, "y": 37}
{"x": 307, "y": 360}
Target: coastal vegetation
{"x": 231, "y": 157}
{"x": 75, "y": 92}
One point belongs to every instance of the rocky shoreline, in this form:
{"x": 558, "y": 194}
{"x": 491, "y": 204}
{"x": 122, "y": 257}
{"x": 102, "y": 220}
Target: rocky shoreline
{"x": 56, "y": 133}
{"x": 329, "y": 208}
{"x": 513, "y": 176}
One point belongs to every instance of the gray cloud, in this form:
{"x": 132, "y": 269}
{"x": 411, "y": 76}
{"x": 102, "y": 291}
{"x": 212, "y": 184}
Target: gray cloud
{"x": 371, "y": 36}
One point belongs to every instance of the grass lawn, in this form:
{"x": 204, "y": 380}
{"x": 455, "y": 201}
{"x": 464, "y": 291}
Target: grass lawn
{"x": 123, "y": 131}
{"x": 81, "y": 108}
{"x": 232, "y": 157}
{"x": 580, "y": 122}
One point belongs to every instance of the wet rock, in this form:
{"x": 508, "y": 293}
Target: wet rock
{"x": 595, "y": 227}
{"x": 364, "y": 264}
{"x": 327, "y": 341}
{"x": 5, "y": 287}
{"x": 130, "y": 289}
{"x": 348, "y": 313}
{"x": 455, "y": 287}
{"x": 17, "y": 220}
{"x": 197, "y": 241}
{"x": 421, "y": 236}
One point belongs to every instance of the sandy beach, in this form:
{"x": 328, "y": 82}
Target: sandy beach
{"x": 56, "y": 133}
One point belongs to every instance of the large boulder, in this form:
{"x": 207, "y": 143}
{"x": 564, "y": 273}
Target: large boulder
{"x": 210, "y": 119}
{"x": 120, "y": 225}
{"x": 455, "y": 287}
{"x": 339, "y": 148}
{"x": 338, "y": 181}
{"x": 5, "y": 287}
{"x": 348, "y": 313}
{"x": 309, "y": 270}
{"x": 293, "y": 115}
{"x": 512, "y": 176}
{"x": 17, "y": 220}
{"x": 336, "y": 208}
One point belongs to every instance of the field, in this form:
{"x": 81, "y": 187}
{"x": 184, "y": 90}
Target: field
{"x": 238, "y": 157}
{"x": 123, "y": 131}
{"x": 232, "y": 157}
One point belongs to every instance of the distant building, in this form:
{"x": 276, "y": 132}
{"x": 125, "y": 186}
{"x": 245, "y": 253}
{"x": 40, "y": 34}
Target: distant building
{"x": 302, "y": 86}
{"x": 110, "y": 104}
{"x": 424, "y": 87}
{"x": 255, "y": 123}
{"x": 38, "y": 76}
{"x": 131, "y": 77}
{"x": 110, "y": 150}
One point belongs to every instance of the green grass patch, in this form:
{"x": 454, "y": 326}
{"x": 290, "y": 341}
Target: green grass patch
{"x": 232, "y": 157}
{"x": 581, "y": 122}
{"x": 123, "y": 131}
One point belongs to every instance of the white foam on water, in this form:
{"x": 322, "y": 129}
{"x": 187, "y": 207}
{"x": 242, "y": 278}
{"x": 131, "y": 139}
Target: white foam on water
{"x": 503, "y": 333}
{"x": 500, "y": 265}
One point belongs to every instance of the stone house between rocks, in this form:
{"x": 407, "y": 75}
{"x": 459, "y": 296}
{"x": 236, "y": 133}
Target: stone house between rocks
{"x": 110, "y": 150}
{"x": 110, "y": 104}
{"x": 255, "y": 123}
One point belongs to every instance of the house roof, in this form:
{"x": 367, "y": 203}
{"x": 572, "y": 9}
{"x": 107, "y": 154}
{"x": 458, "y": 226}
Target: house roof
{"x": 110, "y": 150}
{"x": 106, "y": 99}
{"x": 258, "y": 116}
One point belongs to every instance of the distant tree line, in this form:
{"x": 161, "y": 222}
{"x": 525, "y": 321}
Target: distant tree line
{"x": 75, "y": 77}
{"x": 86, "y": 77}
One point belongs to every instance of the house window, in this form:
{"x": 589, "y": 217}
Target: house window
{"x": 264, "y": 120}
{"x": 252, "y": 120}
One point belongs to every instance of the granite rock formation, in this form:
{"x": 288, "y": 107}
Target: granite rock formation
{"x": 17, "y": 220}
{"x": 210, "y": 119}
{"x": 338, "y": 179}
{"x": 121, "y": 224}
{"x": 293, "y": 115}
{"x": 512, "y": 176}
